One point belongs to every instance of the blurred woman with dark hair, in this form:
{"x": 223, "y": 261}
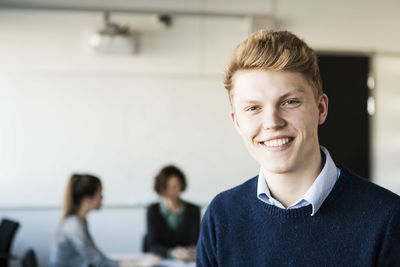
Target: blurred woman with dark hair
{"x": 173, "y": 224}
{"x": 73, "y": 244}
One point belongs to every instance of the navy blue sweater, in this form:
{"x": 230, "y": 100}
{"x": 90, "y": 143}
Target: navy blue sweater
{"x": 357, "y": 225}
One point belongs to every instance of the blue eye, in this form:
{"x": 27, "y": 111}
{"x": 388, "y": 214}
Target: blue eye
{"x": 252, "y": 108}
{"x": 290, "y": 102}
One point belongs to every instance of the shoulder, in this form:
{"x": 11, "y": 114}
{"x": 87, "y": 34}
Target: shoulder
{"x": 368, "y": 193}
{"x": 365, "y": 186}
{"x": 236, "y": 196}
{"x": 72, "y": 220}
{"x": 191, "y": 206}
{"x": 153, "y": 207}
{"x": 72, "y": 223}
{"x": 239, "y": 192}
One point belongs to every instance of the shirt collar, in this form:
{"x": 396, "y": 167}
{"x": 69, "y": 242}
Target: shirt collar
{"x": 315, "y": 195}
{"x": 166, "y": 212}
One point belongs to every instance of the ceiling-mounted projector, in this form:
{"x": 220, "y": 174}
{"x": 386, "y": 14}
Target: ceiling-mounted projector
{"x": 113, "y": 38}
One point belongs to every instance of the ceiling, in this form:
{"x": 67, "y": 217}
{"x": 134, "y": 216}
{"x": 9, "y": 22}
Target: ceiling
{"x": 172, "y": 7}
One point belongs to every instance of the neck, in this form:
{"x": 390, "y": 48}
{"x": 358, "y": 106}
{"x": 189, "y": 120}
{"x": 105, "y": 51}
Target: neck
{"x": 288, "y": 188}
{"x": 82, "y": 212}
{"x": 173, "y": 204}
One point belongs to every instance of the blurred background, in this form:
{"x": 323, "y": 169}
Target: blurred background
{"x": 121, "y": 88}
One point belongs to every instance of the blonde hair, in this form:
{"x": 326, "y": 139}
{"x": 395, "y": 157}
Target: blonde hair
{"x": 274, "y": 51}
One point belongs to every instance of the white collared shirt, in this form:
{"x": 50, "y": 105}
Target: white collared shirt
{"x": 315, "y": 195}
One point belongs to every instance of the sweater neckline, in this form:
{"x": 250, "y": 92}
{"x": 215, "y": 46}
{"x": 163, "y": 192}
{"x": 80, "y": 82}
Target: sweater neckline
{"x": 288, "y": 213}
{"x": 306, "y": 210}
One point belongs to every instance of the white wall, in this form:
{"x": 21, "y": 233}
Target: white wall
{"x": 357, "y": 25}
{"x": 121, "y": 117}
{"x": 64, "y": 109}
{"x": 387, "y": 127}
{"x": 120, "y": 127}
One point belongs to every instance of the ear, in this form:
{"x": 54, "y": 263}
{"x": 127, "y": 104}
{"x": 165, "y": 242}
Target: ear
{"x": 85, "y": 201}
{"x": 235, "y": 122}
{"x": 322, "y": 108}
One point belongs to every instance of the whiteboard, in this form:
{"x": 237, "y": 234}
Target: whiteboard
{"x": 122, "y": 128}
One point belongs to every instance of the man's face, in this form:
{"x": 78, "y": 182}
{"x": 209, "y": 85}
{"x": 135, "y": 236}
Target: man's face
{"x": 277, "y": 115}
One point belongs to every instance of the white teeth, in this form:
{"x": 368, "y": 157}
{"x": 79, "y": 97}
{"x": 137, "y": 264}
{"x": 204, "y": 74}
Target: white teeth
{"x": 277, "y": 142}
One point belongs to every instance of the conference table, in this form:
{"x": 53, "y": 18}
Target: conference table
{"x": 150, "y": 260}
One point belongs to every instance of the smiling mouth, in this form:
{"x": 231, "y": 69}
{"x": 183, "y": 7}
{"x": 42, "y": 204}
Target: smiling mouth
{"x": 276, "y": 143}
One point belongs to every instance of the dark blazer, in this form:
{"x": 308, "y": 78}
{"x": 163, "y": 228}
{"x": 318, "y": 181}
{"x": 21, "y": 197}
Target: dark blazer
{"x": 160, "y": 237}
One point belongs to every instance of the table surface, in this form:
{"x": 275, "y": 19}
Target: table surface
{"x": 148, "y": 260}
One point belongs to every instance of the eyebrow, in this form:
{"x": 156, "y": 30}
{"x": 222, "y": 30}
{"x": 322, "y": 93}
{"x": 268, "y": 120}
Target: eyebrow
{"x": 300, "y": 90}
{"x": 246, "y": 102}
{"x": 295, "y": 90}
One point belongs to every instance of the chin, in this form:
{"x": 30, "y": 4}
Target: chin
{"x": 278, "y": 168}
{"x": 280, "y": 171}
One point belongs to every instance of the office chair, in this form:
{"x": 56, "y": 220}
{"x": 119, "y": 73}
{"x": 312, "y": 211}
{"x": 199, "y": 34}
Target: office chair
{"x": 29, "y": 259}
{"x": 8, "y": 229}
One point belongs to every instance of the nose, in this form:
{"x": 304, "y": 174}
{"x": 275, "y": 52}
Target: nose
{"x": 272, "y": 119}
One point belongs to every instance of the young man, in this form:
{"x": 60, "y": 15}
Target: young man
{"x": 301, "y": 209}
